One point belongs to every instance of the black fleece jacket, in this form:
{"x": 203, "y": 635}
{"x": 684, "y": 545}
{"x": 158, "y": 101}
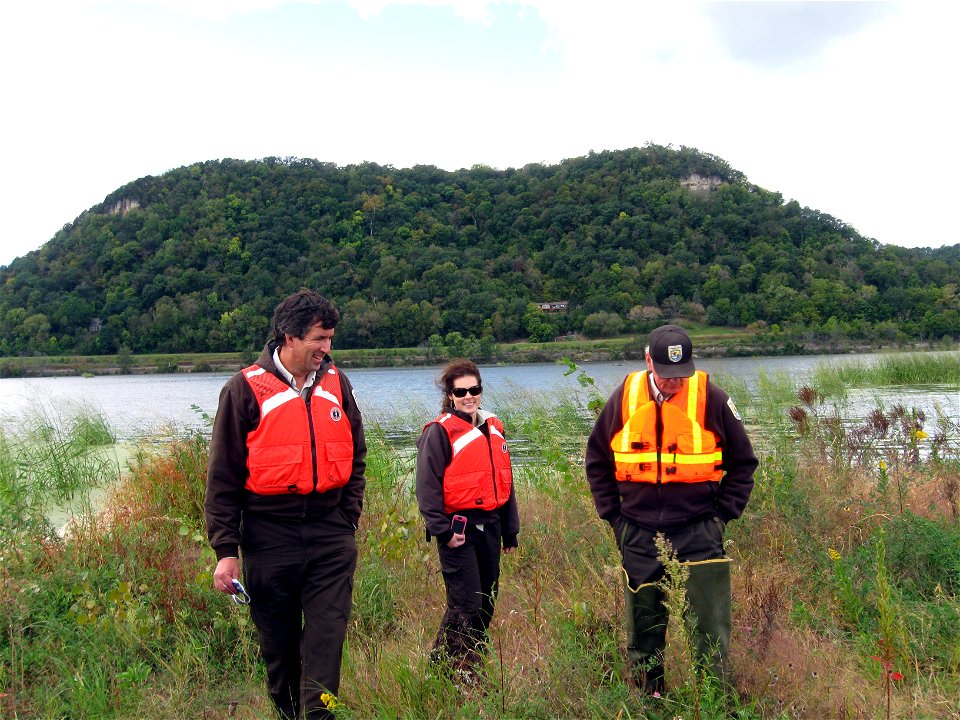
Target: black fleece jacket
{"x": 669, "y": 506}
{"x": 433, "y": 457}
{"x": 227, "y": 499}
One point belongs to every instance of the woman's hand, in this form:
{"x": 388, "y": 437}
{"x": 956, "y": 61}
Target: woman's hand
{"x": 457, "y": 540}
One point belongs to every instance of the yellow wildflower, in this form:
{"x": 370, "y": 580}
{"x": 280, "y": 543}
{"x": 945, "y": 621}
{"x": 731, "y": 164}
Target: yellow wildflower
{"x": 921, "y": 434}
{"x": 834, "y": 555}
{"x": 329, "y": 700}
{"x": 882, "y": 465}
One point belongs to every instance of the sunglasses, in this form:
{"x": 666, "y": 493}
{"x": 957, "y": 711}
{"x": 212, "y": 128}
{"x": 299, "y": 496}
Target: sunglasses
{"x": 462, "y": 392}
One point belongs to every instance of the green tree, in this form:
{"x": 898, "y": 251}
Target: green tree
{"x": 34, "y": 332}
{"x": 538, "y": 328}
{"x": 602, "y": 324}
{"x": 241, "y": 329}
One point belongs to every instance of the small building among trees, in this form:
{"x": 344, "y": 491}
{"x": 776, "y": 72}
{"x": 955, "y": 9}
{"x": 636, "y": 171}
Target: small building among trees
{"x": 553, "y": 306}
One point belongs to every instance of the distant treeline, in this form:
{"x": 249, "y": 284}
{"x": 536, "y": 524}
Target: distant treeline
{"x": 195, "y": 260}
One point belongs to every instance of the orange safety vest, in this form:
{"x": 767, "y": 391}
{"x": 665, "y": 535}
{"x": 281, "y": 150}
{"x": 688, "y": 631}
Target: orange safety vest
{"x": 298, "y": 447}
{"x": 479, "y": 476}
{"x": 680, "y": 449}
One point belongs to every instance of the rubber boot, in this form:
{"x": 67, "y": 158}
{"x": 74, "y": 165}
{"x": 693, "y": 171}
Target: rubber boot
{"x": 646, "y": 636}
{"x": 708, "y": 595}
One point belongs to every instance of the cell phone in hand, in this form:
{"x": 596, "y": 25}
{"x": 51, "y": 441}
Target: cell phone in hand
{"x": 458, "y": 525}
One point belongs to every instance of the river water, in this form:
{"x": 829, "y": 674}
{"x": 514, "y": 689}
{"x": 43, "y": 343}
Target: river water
{"x": 163, "y": 405}
{"x": 158, "y": 407}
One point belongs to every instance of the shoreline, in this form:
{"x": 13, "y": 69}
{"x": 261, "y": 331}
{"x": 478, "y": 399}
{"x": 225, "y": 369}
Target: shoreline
{"x": 505, "y": 354}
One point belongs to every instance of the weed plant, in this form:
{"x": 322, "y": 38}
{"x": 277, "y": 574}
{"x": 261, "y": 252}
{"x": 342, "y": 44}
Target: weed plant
{"x": 846, "y": 575}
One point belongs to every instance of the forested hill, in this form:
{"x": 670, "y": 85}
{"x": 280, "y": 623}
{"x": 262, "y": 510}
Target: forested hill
{"x": 196, "y": 259}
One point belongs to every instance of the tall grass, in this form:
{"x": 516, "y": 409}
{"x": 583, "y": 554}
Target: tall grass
{"x": 117, "y": 619}
{"x": 846, "y": 584}
{"x": 900, "y": 369}
{"x": 49, "y": 460}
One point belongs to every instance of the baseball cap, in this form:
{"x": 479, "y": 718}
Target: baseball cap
{"x": 671, "y": 352}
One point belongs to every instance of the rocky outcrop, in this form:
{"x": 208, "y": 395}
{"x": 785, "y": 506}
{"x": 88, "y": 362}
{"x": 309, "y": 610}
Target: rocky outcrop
{"x": 700, "y": 183}
{"x": 124, "y": 206}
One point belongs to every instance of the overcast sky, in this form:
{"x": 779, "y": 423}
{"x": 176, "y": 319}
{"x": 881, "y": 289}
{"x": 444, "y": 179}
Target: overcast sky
{"x": 847, "y": 107}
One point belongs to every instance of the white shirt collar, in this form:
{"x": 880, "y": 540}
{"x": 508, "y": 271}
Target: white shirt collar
{"x": 655, "y": 393}
{"x": 311, "y": 378}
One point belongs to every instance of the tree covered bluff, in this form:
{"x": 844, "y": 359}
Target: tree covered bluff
{"x": 194, "y": 260}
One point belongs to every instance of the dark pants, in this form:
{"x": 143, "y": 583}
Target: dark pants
{"x": 700, "y": 547}
{"x": 471, "y": 574}
{"x": 300, "y": 578}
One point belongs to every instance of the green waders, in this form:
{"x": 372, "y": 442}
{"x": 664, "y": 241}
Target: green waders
{"x": 708, "y": 597}
{"x": 646, "y": 635}
{"x": 708, "y": 594}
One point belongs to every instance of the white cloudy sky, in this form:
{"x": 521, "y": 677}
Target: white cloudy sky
{"x": 847, "y": 107}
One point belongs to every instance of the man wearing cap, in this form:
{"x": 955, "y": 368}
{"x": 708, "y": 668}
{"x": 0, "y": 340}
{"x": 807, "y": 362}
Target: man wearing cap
{"x": 669, "y": 454}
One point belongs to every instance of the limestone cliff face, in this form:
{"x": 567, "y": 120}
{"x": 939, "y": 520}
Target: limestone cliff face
{"x": 701, "y": 183}
{"x": 123, "y": 207}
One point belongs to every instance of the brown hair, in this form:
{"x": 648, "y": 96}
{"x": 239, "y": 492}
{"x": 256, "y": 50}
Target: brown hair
{"x": 296, "y": 314}
{"x": 461, "y": 367}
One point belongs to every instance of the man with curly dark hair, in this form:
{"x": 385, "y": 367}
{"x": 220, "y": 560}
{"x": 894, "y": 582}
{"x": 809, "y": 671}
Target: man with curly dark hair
{"x": 285, "y": 486}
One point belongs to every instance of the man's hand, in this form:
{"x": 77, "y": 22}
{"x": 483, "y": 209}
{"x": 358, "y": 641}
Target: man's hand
{"x": 227, "y": 570}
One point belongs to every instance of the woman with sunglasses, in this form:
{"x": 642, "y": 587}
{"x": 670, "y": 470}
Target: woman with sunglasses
{"x": 463, "y": 472}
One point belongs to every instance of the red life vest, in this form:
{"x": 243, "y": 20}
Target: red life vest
{"x": 684, "y": 451}
{"x": 295, "y": 448}
{"x": 479, "y": 476}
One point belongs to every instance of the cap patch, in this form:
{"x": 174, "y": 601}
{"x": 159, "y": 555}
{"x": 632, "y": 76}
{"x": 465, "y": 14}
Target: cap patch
{"x": 675, "y": 353}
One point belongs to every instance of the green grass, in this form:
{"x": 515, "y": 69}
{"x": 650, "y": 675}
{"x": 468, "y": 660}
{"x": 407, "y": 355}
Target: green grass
{"x": 849, "y": 549}
{"x": 914, "y": 369}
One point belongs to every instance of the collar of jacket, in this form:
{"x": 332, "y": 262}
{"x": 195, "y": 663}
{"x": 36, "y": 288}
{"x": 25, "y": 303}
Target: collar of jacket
{"x": 658, "y": 396}
{"x": 482, "y": 416}
{"x": 266, "y": 361}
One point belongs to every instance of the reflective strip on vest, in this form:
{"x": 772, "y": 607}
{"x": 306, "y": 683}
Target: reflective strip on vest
{"x": 642, "y": 464}
{"x": 673, "y": 458}
{"x": 638, "y": 384}
{"x": 277, "y": 400}
{"x": 479, "y": 475}
{"x": 465, "y": 439}
{"x": 320, "y": 392}
{"x": 693, "y": 393}
{"x": 299, "y": 446}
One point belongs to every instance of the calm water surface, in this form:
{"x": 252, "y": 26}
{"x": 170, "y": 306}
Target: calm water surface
{"x": 158, "y": 406}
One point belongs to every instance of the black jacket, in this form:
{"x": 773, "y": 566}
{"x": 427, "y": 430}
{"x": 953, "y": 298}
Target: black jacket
{"x": 669, "y": 506}
{"x": 227, "y": 499}
{"x": 433, "y": 457}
